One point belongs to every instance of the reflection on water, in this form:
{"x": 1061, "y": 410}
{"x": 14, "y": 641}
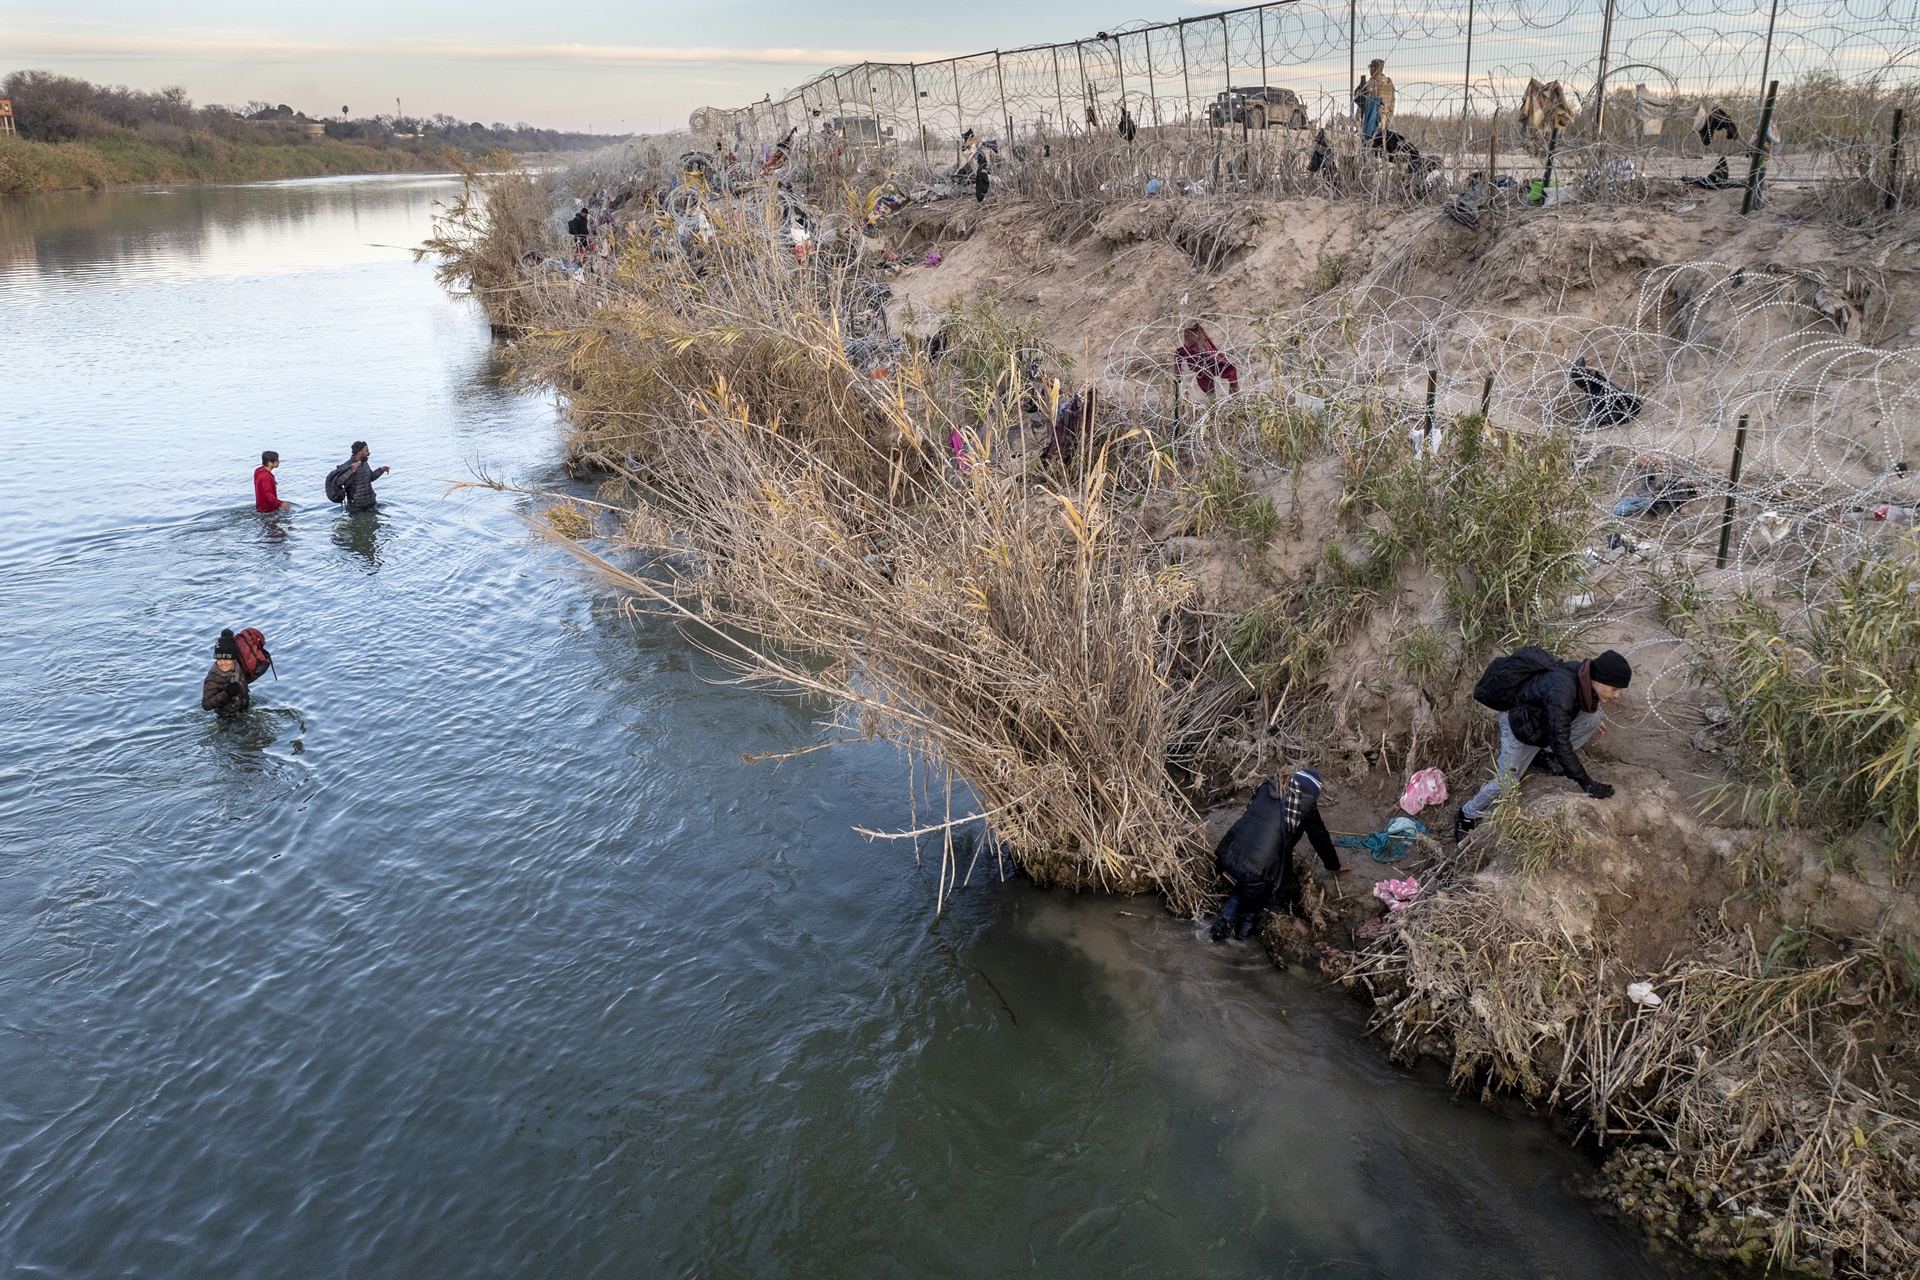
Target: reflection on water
{"x": 476, "y": 949}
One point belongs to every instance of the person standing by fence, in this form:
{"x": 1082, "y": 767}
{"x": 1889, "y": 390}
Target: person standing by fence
{"x": 1375, "y": 97}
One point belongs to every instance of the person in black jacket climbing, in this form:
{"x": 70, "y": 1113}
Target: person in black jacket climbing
{"x": 1559, "y": 709}
{"x": 1256, "y": 854}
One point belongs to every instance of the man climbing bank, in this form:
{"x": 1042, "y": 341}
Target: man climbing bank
{"x": 1544, "y": 702}
{"x": 1256, "y": 854}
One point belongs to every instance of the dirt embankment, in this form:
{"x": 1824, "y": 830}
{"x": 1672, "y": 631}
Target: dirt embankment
{"x": 1765, "y": 1104}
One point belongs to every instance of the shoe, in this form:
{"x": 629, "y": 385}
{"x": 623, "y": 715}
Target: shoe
{"x": 1246, "y": 929}
{"x": 1221, "y": 929}
{"x": 1463, "y": 824}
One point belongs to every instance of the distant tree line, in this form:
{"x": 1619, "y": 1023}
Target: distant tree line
{"x": 57, "y": 108}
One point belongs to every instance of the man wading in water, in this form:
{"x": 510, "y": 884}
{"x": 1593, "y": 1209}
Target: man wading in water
{"x": 1257, "y": 853}
{"x": 1559, "y": 708}
{"x": 356, "y": 476}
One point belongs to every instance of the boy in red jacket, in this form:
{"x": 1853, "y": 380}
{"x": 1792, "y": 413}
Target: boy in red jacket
{"x": 266, "y": 494}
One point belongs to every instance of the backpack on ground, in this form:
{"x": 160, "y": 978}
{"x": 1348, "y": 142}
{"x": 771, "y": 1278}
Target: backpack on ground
{"x": 254, "y": 658}
{"x": 1500, "y": 684}
{"x": 337, "y": 482}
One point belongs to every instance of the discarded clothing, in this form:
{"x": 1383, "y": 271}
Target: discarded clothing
{"x": 1322, "y": 153}
{"x": 1390, "y": 845}
{"x": 1708, "y": 123}
{"x": 1429, "y": 786}
{"x": 932, "y": 259}
{"x": 1608, "y": 403}
{"x": 958, "y": 444}
{"x": 1398, "y": 894}
{"x": 1465, "y": 207}
{"x": 1069, "y": 426}
{"x": 1128, "y": 129}
{"x": 1659, "y": 495}
{"x": 1198, "y": 353}
{"x": 1718, "y": 180}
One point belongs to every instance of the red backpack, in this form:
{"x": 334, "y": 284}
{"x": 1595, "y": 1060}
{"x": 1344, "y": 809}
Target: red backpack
{"x": 254, "y": 658}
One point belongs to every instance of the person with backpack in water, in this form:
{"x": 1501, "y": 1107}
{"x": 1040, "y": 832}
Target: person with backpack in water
{"x": 1256, "y": 854}
{"x": 1544, "y": 703}
{"x": 237, "y": 662}
{"x": 352, "y": 481}
{"x": 266, "y": 493}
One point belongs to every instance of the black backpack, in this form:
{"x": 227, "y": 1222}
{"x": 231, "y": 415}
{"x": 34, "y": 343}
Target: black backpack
{"x": 1500, "y": 684}
{"x": 337, "y": 482}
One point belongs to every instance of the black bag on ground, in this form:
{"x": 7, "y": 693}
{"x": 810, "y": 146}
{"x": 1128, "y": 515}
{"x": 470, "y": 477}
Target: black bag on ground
{"x": 1608, "y": 403}
{"x": 337, "y": 482}
{"x": 1500, "y": 684}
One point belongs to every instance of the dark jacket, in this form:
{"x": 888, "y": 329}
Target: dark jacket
{"x": 1543, "y": 716}
{"x": 1257, "y": 848}
{"x": 224, "y": 693}
{"x": 359, "y": 482}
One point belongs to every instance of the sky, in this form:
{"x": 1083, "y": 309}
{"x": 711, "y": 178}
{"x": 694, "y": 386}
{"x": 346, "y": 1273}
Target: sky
{"x": 633, "y": 68}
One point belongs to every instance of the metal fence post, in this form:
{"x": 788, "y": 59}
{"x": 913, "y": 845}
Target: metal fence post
{"x": 1600, "y": 85}
{"x": 919, "y": 126}
{"x": 1086, "y": 96}
{"x": 1153, "y": 92}
{"x": 1186, "y": 80}
{"x": 1893, "y": 160}
{"x": 1353, "y": 52}
{"x": 1733, "y": 482}
{"x": 1757, "y": 169}
{"x": 1766, "y": 58}
{"x": 1060, "y": 94}
{"x": 1001, "y": 75}
{"x": 959, "y": 107}
{"x": 1466, "y": 89}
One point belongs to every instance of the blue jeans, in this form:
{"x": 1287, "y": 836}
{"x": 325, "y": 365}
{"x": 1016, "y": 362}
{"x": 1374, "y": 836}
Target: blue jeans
{"x": 1369, "y": 118}
{"x": 1515, "y": 756}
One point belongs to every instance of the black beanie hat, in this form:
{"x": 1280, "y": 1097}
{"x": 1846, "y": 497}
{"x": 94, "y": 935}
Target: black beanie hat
{"x": 226, "y": 646}
{"x": 1610, "y": 668}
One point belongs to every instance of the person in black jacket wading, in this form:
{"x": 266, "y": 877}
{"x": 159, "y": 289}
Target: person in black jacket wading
{"x": 1256, "y": 854}
{"x": 1559, "y": 709}
{"x": 359, "y": 478}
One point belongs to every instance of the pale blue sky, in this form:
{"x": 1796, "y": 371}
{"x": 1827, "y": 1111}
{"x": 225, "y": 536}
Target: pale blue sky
{"x": 631, "y": 68}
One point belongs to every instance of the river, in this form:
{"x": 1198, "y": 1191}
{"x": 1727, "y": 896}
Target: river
{"x": 475, "y": 948}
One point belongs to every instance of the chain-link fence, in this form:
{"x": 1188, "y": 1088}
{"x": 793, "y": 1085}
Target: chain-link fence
{"x": 1239, "y": 98}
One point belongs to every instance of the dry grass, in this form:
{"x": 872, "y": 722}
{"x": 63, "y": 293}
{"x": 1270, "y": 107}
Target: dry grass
{"x": 1014, "y": 636}
{"x": 794, "y": 494}
{"x": 1757, "y": 1109}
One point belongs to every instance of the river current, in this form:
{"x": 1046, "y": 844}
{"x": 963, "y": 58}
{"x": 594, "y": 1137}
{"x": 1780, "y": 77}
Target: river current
{"x": 476, "y": 948}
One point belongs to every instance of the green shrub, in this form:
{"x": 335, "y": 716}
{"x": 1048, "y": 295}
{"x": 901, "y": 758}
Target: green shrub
{"x": 1826, "y": 725}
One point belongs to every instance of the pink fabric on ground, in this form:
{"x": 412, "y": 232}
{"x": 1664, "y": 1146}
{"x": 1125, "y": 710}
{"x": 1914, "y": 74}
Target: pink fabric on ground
{"x": 1398, "y": 894}
{"x": 1429, "y": 786}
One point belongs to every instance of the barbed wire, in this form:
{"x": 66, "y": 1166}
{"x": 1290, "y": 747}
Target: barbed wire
{"x": 1629, "y": 81}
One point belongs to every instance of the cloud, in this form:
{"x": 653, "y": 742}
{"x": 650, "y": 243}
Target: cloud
{"x": 22, "y": 45}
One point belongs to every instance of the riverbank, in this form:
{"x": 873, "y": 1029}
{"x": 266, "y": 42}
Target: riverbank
{"x": 27, "y": 167}
{"x": 1109, "y": 583}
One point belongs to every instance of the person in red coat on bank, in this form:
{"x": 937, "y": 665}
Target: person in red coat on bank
{"x": 266, "y": 494}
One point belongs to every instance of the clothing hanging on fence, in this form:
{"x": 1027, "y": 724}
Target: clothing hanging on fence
{"x": 1198, "y": 353}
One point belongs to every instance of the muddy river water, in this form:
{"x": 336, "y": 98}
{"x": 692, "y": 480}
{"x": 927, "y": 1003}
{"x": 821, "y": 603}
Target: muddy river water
{"x": 476, "y": 949}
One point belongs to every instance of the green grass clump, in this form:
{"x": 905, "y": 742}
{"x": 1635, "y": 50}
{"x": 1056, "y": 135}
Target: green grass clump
{"x": 1421, "y": 652}
{"x": 1826, "y": 725}
{"x": 1221, "y": 500}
